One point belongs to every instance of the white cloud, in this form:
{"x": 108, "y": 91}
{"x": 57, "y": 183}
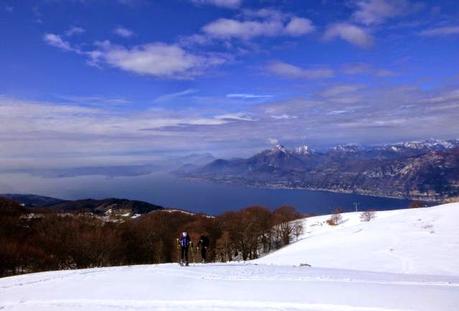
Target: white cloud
{"x": 299, "y": 26}
{"x": 371, "y": 12}
{"x": 238, "y": 116}
{"x": 123, "y": 32}
{"x": 247, "y": 96}
{"x": 339, "y": 90}
{"x": 168, "y": 97}
{"x": 266, "y": 13}
{"x": 229, "y": 28}
{"x": 269, "y": 26}
{"x": 342, "y": 94}
{"x": 61, "y": 121}
{"x": 450, "y": 96}
{"x": 74, "y": 31}
{"x": 39, "y": 132}
{"x": 231, "y": 4}
{"x": 283, "y": 117}
{"x": 94, "y": 100}
{"x": 155, "y": 59}
{"x": 351, "y": 33}
{"x": 440, "y": 31}
{"x": 295, "y": 72}
{"x": 57, "y": 41}
{"x": 366, "y": 69}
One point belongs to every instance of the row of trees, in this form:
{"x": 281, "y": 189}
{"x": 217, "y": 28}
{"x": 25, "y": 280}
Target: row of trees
{"x": 51, "y": 241}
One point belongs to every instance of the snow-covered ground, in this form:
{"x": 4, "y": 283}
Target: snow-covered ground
{"x": 411, "y": 258}
{"x": 422, "y": 241}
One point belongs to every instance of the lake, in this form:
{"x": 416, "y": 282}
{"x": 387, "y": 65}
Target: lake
{"x": 200, "y": 196}
{"x": 214, "y": 198}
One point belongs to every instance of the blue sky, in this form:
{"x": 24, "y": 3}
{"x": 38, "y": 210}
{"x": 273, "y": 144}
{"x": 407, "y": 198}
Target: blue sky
{"x": 99, "y": 82}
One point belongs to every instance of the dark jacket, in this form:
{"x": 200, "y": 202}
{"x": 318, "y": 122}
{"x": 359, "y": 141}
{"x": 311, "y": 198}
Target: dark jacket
{"x": 184, "y": 241}
{"x": 203, "y": 241}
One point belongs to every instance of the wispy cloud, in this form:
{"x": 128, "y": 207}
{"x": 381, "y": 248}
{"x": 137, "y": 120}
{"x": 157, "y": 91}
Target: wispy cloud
{"x": 123, "y": 32}
{"x": 56, "y": 41}
{"x": 366, "y": 69}
{"x": 445, "y": 97}
{"x": 239, "y": 116}
{"x": 372, "y": 12}
{"x": 350, "y": 33}
{"x": 171, "y": 96}
{"x": 247, "y": 96}
{"x": 356, "y": 68}
{"x": 440, "y": 31}
{"x": 342, "y": 94}
{"x": 284, "y": 117}
{"x": 230, "y": 4}
{"x": 74, "y": 30}
{"x": 38, "y": 129}
{"x": 94, "y": 100}
{"x": 71, "y": 134}
{"x": 294, "y": 72}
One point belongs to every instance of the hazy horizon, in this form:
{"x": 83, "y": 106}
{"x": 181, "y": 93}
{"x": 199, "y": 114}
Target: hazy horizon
{"x": 133, "y": 83}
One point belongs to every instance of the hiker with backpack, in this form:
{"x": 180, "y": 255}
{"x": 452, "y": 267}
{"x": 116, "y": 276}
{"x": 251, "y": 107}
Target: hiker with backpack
{"x": 184, "y": 243}
{"x": 203, "y": 245}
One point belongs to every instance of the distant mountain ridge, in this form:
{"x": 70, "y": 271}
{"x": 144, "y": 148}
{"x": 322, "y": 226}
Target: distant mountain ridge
{"x": 32, "y": 200}
{"x": 98, "y": 207}
{"x": 425, "y": 170}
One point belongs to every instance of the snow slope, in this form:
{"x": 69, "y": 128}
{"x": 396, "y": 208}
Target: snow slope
{"x": 422, "y": 241}
{"x": 226, "y": 287}
{"x": 424, "y": 251}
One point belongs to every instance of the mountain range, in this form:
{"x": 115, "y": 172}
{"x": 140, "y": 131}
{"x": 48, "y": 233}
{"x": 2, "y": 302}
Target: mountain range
{"x": 426, "y": 170}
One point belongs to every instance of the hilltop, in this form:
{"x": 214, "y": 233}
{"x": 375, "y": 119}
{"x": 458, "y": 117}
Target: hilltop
{"x": 101, "y": 207}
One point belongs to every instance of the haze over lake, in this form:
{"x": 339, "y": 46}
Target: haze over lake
{"x": 198, "y": 196}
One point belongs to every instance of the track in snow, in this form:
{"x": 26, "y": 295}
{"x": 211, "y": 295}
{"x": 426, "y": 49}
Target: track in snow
{"x": 227, "y": 287}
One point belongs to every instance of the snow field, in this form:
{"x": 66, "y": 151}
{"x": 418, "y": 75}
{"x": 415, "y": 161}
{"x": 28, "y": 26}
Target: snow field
{"x": 226, "y": 287}
{"x": 420, "y": 241}
{"x": 401, "y": 260}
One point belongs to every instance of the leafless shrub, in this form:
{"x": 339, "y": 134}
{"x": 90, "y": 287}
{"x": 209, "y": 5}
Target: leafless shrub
{"x": 368, "y": 215}
{"x": 415, "y": 204}
{"x": 336, "y": 218}
{"x": 298, "y": 229}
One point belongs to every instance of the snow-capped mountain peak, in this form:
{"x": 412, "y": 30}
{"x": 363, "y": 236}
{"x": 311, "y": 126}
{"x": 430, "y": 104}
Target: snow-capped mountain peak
{"x": 346, "y": 148}
{"x": 432, "y": 144}
{"x": 279, "y": 148}
{"x": 303, "y": 150}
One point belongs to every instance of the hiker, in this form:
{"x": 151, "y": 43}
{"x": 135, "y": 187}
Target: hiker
{"x": 203, "y": 245}
{"x": 184, "y": 242}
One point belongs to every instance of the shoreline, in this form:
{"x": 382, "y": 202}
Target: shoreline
{"x": 426, "y": 200}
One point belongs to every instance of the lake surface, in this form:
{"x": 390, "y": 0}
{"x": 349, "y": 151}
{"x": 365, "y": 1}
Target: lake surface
{"x": 214, "y": 198}
{"x": 206, "y": 197}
